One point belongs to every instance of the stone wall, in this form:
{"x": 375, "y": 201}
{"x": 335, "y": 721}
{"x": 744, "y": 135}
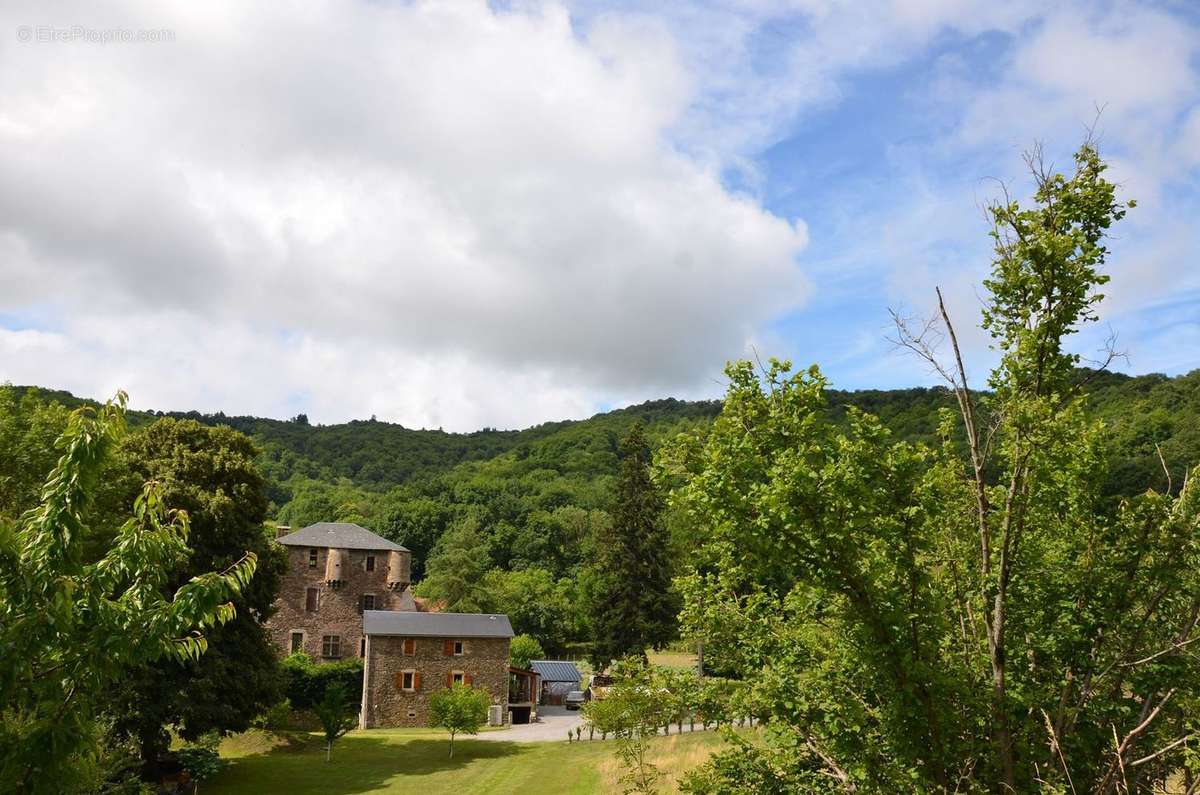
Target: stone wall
{"x": 385, "y": 705}
{"x": 337, "y": 607}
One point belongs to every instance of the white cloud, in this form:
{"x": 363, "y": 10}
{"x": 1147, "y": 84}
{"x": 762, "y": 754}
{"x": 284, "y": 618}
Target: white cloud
{"x": 431, "y": 196}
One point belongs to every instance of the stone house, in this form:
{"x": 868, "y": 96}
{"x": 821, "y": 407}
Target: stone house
{"x": 335, "y": 572}
{"x": 411, "y": 655}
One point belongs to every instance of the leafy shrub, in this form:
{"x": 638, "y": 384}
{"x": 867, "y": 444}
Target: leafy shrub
{"x": 275, "y": 718}
{"x": 201, "y": 759}
{"x": 307, "y": 681}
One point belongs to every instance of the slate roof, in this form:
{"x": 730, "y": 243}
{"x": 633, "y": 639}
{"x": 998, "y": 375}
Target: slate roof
{"x": 436, "y": 625}
{"x": 338, "y": 535}
{"x": 556, "y": 671}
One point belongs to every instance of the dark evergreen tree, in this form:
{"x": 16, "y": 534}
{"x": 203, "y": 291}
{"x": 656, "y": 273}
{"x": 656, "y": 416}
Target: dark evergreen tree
{"x": 629, "y": 584}
{"x": 210, "y": 473}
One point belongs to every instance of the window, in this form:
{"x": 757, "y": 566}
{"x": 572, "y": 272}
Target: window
{"x": 368, "y": 601}
{"x": 410, "y": 646}
{"x": 297, "y": 642}
{"x": 310, "y": 600}
{"x": 362, "y": 646}
{"x": 408, "y": 680}
{"x": 457, "y": 677}
{"x": 370, "y": 563}
{"x": 312, "y": 558}
{"x": 331, "y": 646}
{"x": 458, "y": 648}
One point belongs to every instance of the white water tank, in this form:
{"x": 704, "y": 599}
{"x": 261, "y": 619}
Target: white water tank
{"x": 496, "y": 715}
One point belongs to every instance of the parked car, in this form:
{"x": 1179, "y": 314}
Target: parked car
{"x": 574, "y": 699}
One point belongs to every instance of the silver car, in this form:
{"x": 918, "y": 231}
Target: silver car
{"x": 574, "y": 699}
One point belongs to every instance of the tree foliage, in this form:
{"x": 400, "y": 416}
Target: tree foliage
{"x": 71, "y": 629}
{"x": 629, "y": 598}
{"x": 523, "y": 650}
{"x": 210, "y": 474}
{"x": 975, "y": 615}
{"x": 337, "y": 713}
{"x": 459, "y": 709}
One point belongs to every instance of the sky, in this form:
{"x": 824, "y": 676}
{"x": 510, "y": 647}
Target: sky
{"x": 468, "y": 214}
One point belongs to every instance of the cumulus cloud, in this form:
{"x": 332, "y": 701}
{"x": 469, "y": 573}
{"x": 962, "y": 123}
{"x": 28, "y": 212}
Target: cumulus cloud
{"x": 462, "y": 215}
{"x": 465, "y": 214}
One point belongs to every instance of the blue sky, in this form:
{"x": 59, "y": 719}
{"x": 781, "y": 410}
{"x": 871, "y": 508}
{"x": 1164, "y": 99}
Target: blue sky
{"x": 463, "y": 214}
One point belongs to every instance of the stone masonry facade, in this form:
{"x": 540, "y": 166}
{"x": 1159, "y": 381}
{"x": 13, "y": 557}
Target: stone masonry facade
{"x": 388, "y": 702}
{"x": 339, "y": 607}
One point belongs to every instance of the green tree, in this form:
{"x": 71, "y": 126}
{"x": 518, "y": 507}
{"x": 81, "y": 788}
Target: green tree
{"x": 69, "y": 629}
{"x": 210, "y": 473}
{"x": 634, "y": 709}
{"x": 28, "y": 428}
{"x": 459, "y": 709}
{"x": 534, "y": 602}
{"x": 524, "y": 649}
{"x": 973, "y": 615}
{"x": 337, "y": 714}
{"x": 455, "y": 573}
{"x": 630, "y": 601}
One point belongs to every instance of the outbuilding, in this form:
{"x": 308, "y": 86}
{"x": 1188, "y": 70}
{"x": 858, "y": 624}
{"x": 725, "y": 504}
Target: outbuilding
{"x": 558, "y": 677}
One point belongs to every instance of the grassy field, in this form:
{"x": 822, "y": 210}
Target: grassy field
{"x": 672, "y": 659}
{"x": 415, "y": 760}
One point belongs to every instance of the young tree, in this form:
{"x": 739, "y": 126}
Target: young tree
{"x": 460, "y": 708}
{"x": 629, "y": 586}
{"x": 455, "y": 573}
{"x": 71, "y": 629}
{"x": 971, "y": 616}
{"x": 635, "y": 707}
{"x": 524, "y": 649}
{"x": 337, "y": 714}
{"x": 210, "y": 473}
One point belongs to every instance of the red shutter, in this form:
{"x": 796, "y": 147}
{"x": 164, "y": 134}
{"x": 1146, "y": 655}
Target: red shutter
{"x": 449, "y": 679}
{"x": 399, "y": 680}
{"x": 467, "y": 680}
{"x": 448, "y": 648}
{"x": 416, "y": 680}
{"x": 410, "y": 646}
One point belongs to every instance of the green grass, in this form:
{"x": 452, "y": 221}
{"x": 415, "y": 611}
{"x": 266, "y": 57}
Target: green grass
{"x": 672, "y": 659}
{"x": 416, "y": 760}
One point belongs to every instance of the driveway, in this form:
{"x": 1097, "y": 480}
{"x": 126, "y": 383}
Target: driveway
{"x": 553, "y": 724}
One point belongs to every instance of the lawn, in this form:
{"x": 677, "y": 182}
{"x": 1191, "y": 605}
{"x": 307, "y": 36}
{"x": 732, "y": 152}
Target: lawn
{"x": 416, "y": 760}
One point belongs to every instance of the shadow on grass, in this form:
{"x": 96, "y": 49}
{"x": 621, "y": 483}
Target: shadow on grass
{"x": 360, "y": 763}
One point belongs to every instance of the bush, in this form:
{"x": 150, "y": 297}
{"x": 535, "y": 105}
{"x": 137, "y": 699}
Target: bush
{"x": 276, "y": 718}
{"x": 201, "y": 759}
{"x": 306, "y": 681}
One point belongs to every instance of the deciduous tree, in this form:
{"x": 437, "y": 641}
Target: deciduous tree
{"x": 70, "y": 629}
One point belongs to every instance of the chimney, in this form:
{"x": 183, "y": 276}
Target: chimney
{"x": 282, "y": 530}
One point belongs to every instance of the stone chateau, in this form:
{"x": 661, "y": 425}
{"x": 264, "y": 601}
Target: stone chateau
{"x": 347, "y": 593}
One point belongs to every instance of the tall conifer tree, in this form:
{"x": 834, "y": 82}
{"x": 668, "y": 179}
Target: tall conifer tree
{"x": 631, "y": 602}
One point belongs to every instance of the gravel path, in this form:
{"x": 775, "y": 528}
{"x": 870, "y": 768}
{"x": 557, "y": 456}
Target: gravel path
{"x": 553, "y": 725}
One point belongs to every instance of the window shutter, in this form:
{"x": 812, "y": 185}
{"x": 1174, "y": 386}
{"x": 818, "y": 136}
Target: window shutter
{"x": 399, "y": 680}
{"x": 467, "y": 680}
{"x": 448, "y": 648}
{"x": 361, "y": 601}
{"x": 449, "y": 678}
{"x": 416, "y": 680}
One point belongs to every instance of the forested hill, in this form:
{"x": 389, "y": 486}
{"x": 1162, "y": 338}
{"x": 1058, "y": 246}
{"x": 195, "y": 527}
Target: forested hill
{"x": 524, "y": 485}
